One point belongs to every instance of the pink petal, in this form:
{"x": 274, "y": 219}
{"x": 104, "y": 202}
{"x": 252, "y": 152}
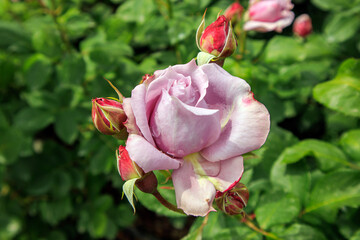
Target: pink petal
{"x": 231, "y": 171}
{"x": 245, "y": 131}
{"x": 223, "y": 174}
{"x": 194, "y": 194}
{"x": 156, "y": 86}
{"x": 278, "y": 25}
{"x": 130, "y": 123}
{"x": 223, "y": 88}
{"x": 139, "y": 109}
{"x": 147, "y": 156}
{"x": 180, "y": 129}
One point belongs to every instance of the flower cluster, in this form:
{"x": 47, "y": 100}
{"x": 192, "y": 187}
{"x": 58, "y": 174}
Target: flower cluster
{"x": 196, "y": 119}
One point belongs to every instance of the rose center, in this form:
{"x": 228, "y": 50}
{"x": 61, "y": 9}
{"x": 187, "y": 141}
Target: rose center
{"x": 183, "y": 90}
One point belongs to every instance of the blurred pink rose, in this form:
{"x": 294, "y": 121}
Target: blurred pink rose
{"x": 269, "y": 15}
{"x": 302, "y": 25}
{"x": 197, "y": 121}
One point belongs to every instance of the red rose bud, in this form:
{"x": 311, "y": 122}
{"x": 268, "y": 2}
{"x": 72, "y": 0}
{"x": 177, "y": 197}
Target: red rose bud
{"x": 108, "y": 116}
{"x": 233, "y": 12}
{"x": 234, "y": 200}
{"x": 218, "y": 38}
{"x": 127, "y": 168}
{"x": 302, "y": 25}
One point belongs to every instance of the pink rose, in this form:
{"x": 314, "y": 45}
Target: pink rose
{"x": 197, "y": 121}
{"x": 302, "y": 25}
{"x": 269, "y": 15}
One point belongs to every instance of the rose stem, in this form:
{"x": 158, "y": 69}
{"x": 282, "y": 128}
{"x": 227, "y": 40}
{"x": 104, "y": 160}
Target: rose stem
{"x": 251, "y": 225}
{"x": 167, "y": 204}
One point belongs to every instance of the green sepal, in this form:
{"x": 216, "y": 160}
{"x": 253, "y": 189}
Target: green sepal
{"x": 204, "y": 58}
{"x": 128, "y": 189}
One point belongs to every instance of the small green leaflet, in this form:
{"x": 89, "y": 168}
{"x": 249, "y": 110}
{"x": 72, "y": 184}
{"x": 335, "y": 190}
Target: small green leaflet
{"x": 128, "y": 189}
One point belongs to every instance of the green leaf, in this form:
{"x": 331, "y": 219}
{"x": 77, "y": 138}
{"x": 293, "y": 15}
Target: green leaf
{"x": 302, "y": 232}
{"x": 342, "y": 26}
{"x": 11, "y": 141}
{"x": 71, "y": 70}
{"x": 292, "y": 178}
{"x": 136, "y": 11}
{"x": 66, "y": 126}
{"x": 277, "y": 208}
{"x": 14, "y": 38}
{"x": 37, "y": 70}
{"x": 33, "y": 119}
{"x": 55, "y": 211}
{"x": 128, "y": 189}
{"x": 350, "y": 142}
{"x": 102, "y": 160}
{"x": 335, "y": 190}
{"x": 76, "y": 23}
{"x": 342, "y": 93}
{"x": 334, "y": 5}
{"x": 48, "y": 42}
{"x": 329, "y": 157}
{"x": 7, "y": 69}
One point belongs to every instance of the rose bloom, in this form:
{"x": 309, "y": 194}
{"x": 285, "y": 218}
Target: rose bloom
{"x": 197, "y": 121}
{"x": 269, "y": 15}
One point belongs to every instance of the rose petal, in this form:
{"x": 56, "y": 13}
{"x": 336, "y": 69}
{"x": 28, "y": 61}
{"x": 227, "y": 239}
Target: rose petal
{"x": 287, "y": 19}
{"x": 222, "y": 174}
{"x": 130, "y": 122}
{"x": 139, "y": 109}
{"x": 147, "y": 156}
{"x": 194, "y": 194}
{"x": 155, "y": 88}
{"x": 231, "y": 171}
{"x": 180, "y": 129}
{"x": 223, "y": 88}
{"x": 246, "y": 130}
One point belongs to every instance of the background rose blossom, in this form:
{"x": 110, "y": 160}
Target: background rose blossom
{"x": 269, "y": 15}
{"x": 198, "y": 121}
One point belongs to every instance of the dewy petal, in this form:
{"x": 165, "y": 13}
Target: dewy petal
{"x": 245, "y": 131}
{"x": 139, "y": 109}
{"x": 147, "y": 156}
{"x": 194, "y": 194}
{"x": 180, "y": 129}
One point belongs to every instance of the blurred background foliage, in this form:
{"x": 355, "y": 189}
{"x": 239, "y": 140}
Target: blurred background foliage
{"x": 58, "y": 177}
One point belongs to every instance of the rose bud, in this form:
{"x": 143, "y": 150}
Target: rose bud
{"x": 218, "y": 38}
{"x": 302, "y": 25}
{"x": 126, "y": 167}
{"x": 233, "y": 200}
{"x": 233, "y": 12}
{"x": 269, "y": 15}
{"x": 108, "y": 116}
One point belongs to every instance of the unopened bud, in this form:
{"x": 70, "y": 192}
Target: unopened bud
{"x": 233, "y": 12}
{"x": 217, "y": 39}
{"x": 108, "y": 116}
{"x": 234, "y": 200}
{"x": 302, "y": 25}
{"x": 127, "y": 168}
